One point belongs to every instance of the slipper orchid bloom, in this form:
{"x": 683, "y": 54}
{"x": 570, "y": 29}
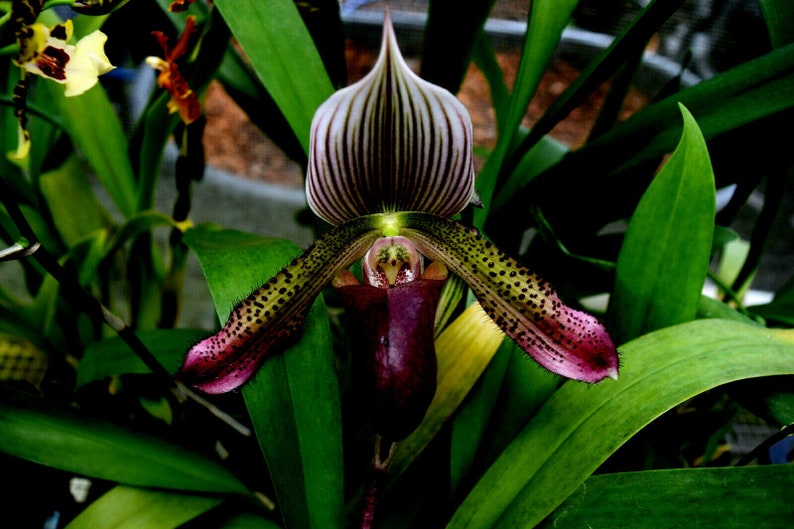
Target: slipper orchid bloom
{"x": 390, "y": 164}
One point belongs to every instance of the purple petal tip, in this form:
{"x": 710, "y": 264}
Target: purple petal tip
{"x": 205, "y": 368}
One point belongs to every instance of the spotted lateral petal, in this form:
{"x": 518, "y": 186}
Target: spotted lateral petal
{"x": 391, "y": 142}
{"x": 563, "y": 340}
{"x": 261, "y": 324}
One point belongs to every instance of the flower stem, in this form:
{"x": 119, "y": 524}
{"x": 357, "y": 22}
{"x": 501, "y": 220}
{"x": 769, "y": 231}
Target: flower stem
{"x": 381, "y": 461}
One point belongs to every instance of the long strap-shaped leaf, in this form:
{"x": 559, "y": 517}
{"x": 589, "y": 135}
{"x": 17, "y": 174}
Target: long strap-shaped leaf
{"x": 664, "y": 258}
{"x": 747, "y": 93}
{"x": 294, "y": 400}
{"x": 580, "y": 426}
{"x": 731, "y": 498}
{"x": 64, "y": 438}
{"x": 132, "y": 508}
{"x": 547, "y": 19}
{"x": 280, "y": 48}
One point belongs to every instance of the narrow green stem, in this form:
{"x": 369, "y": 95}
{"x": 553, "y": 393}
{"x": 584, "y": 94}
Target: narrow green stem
{"x": 75, "y": 292}
{"x": 729, "y": 293}
{"x": 547, "y": 232}
{"x": 33, "y": 109}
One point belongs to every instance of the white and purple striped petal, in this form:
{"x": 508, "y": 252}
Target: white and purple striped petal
{"x": 390, "y": 142}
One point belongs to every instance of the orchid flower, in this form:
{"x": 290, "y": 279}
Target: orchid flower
{"x": 46, "y": 52}
{"x": 390, "y": 165}
{"x": 183, "y": 99}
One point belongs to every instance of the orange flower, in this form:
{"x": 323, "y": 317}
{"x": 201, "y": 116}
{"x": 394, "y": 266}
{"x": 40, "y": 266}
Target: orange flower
{"x": 178, "y": 6}
{"x": 183, "y": 99}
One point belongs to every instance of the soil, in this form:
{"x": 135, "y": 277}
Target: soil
{"x": 234, "y": 144}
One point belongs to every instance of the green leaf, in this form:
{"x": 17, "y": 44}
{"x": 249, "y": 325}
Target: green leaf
{"x": 780, "y": 309}
{"x": 469, "y": 428}
{"x": 547, "y": 19}
{"x": 294, "y": 400}
{"x": 132, "y": 508}
{"x": 485, "y": 59}
{"x": 281, "y": 50}
{"x": 136, "y": 225}
{"x": 295, "y": 406}
{"x": 75, "y": 210}
{"x": 664, "y": 258}
{"x": 526, "y": 387}
{"x": 634, "y": 37}
{"x": 100, "y": 139}
{"x": 729, "y": 498}
{"x": 83, "y": 25}
{"x": 235, "y": 263}
{"x": 781, "y": 407}
{"x": 112, "y": 357}
{"x": 545, "y": 153}
{"x": 249, "y": 521}
{"x": 585, "y": 181}
{"x": 244, "y": 87}
{"x": 712, "y": 308}
{"x": 581, "y": 425}
{"x": 64, "y": 438}
{"x": 779, "y": 17}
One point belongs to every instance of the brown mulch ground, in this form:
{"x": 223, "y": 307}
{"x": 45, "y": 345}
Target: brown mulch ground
{"x": 234, "y": 144}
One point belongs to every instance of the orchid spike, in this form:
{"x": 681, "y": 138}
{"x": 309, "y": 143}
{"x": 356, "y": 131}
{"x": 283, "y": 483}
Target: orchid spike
{"x": 183, "y": 99}
{"x": 390, "y": 164}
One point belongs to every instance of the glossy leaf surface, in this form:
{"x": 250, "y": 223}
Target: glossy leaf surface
{"x": 132, "y": 508}
{"x": 112, "y": 357}
{"x": 738, "y": 97}
{"x": 293, "y": 400}
{"x": 665, "y": 255}
{"x": 580, "y": 426}
{"x": 281, "y": 51}
{"x": 64, "y": 438}
{"x": 731, "y": 498}
{"x": 547, "y": 19}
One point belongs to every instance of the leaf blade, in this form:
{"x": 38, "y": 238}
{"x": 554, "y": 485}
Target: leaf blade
{"x": 734, "y": 497}
{"x": 547, "y": 19}
{"x": 132, "y": 508}
{"x": 665, "y": 255}
{"x": 281, "y": 51}
{"x": 64, "y": 438}
{"x": 557, "y": 450}
{"x": 293, "y": 400}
